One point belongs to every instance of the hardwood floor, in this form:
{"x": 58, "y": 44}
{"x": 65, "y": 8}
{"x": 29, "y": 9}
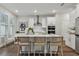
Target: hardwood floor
{"x": 11, "y": 50}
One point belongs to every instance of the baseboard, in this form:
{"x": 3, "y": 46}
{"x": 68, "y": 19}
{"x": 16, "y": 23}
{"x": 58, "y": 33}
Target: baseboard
{"x": 3, "y": 45}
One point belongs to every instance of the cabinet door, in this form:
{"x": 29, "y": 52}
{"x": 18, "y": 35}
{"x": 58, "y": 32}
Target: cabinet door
{"x": 51, "y": 21}
{"x": 77, "y": 43}
{"x": 73, "y": 41}
{"x": 77, "y": 11}
{"x": 31, "y": 22}
{"x": 44, "y": 22}
{"x": 67, "y": 40}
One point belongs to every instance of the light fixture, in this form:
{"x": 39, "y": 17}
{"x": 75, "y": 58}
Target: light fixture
{"x": 35, "y": 11}
{"x": 53, "y": 11}
{"x": 16, "y": 11}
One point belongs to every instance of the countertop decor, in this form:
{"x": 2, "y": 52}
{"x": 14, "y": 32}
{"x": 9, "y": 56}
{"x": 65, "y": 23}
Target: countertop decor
{"x": 30, "y": 30}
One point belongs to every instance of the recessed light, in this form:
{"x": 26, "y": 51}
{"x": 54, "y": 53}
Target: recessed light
{"x": 16, "y": 11}
{"x": 35, "y": 11}
{"x": 53, "y": 11}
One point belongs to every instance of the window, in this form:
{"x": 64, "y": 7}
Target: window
{"x": 2, "y": 30}
{"x": 3, "y": 24}
{"x": 6, "y": 25}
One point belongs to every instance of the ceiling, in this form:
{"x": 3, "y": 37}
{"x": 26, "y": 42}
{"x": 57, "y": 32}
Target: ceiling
{"x": 42, "y": 8}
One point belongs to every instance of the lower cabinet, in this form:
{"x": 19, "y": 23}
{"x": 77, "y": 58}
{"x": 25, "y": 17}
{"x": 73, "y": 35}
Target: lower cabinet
{"x": 72, "y": 37}
{"x": 71, "y": 41}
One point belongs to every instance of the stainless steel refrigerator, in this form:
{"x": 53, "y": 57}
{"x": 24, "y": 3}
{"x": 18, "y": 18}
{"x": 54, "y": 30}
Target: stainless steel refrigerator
{"x": 77, "y": 34}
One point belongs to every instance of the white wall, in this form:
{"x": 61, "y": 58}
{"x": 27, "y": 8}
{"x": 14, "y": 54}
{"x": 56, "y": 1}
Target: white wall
{"x": 20, "y": 19}
{"x": 58, "y": 24}
{"x": 27, "y": 19}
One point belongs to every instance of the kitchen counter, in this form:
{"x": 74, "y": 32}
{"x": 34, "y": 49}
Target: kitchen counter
{"x": 72, "y": 32}
{"x": 47, "y": 35}
{"x": 52, "y": 48}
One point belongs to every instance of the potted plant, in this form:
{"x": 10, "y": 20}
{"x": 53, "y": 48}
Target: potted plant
{"x": 30, "y": 29}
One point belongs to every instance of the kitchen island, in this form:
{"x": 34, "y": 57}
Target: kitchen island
{"x": 53, "y": 39}
{"x": 47, "y": 35}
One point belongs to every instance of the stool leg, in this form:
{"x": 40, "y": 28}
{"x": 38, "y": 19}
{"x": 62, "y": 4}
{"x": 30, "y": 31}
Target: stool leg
{"x": 57, "y": 50}
{"x": 50, "y": 53}
{"x": 18, "y": 53}
{"x": 61, "y": 51}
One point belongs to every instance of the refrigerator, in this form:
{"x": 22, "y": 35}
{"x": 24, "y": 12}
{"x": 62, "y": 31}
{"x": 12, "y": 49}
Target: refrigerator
{"x": 77, "y": 34}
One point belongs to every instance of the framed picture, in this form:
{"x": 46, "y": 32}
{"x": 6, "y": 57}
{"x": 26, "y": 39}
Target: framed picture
{"x": 23, "y": 26}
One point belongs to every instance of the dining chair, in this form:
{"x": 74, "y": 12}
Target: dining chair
{"x": 31, "y": 39}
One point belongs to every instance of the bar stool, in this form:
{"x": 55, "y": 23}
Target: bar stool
{"x": 54, "y": 44}
{"x": 39, "y": 45}
{"x": 31, "y": 39}
{"x": 23, "y": 46}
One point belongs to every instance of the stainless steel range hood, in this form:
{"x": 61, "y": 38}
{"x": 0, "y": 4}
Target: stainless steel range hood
{"x": 37, "y": 23}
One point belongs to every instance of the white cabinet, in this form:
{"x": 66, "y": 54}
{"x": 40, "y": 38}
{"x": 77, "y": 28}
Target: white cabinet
{"x": 44, "y": 22}
{"x": 31, "y": 22}
{"x": 77, "y": 11}
{"x": 71, "y": 41}
{"x": 51, "y": 21}
{"x": 72, "y": 19}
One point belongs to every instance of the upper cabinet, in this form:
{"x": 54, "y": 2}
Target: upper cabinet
{"x": 43, "y": 21}
{"x": 77, "y": 11}
{"x": 51, "y": 21}
{"x": 31, "y": 22}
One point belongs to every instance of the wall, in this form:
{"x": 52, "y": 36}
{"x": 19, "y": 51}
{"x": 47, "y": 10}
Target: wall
{"x": 20, "y": 19}
{"x": 27, "y": 19}
{"x": 58, "y": 24}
